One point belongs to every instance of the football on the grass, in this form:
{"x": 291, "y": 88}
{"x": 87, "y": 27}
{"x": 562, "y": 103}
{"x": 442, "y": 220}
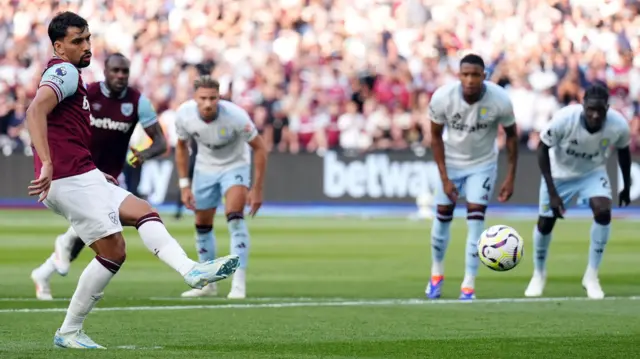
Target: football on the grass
{"x": 500, "y": 248}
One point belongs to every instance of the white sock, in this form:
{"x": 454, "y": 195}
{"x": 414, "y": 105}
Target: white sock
{"x": 469, "y": 281}
{"x": 155, "y": 236}
{"x": 46, "y": 269}
{"x": 591, "y": 273}
{"x": 239, "y": 278}
{"x": 90, "y": 289}
{"x": 437, "y": 268}
{"x": 68, "y": 237}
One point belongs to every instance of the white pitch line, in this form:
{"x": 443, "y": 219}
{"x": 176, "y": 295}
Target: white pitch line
{"x": 258, "y": 299}
{"x": 352, "y": 303}
{"x": 34, "y": 300}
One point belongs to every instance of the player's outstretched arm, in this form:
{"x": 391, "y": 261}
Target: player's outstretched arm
{"x": 506, "y": 191}
{"x": 42, "y": 105}
{"x": 624, "y": 160}
{"x": 260, "y": 164}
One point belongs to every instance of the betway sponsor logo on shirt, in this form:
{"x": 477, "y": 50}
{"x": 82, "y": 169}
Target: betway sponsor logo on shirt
{"x": 376, "y": 176}
{"x": 109, "y": 124}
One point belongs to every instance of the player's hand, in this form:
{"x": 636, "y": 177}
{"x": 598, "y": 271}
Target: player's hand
{"x": 450, "y": 190}
{"x": 557, "y": 206}
{"x": 255, "y": 201}
{"x": 40, "y": 187}
{"x": 506, "y": 190}
{"x": 111, "y": 179}
{"x": 187, "y": 198}
{"x": 625, "y": 197}
{"x": 135, "y": 159}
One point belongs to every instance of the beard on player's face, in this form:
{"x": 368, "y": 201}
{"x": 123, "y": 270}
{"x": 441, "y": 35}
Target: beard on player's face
{"x": 78, "y": 58}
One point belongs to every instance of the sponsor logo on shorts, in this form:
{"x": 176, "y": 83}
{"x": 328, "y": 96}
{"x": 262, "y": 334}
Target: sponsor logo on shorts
{"x": 113, "y": 217}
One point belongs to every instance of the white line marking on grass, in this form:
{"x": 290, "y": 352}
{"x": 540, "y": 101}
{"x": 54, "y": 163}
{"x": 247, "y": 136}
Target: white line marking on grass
{"x": 256, "y": 299}
{"x": 351, "y": 303}
{"x": 34, "y": 300}
{"x": 134, "y": 347}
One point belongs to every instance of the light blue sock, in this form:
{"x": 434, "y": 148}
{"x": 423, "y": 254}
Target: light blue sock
{"x": 440, "y": 234}
{"x": 541, "y": 248}
{"x": 239, "y": 237}
{"x": 599, "y": 239}
{"x": 205, "y": 243}
{"x": 474, "y": 230}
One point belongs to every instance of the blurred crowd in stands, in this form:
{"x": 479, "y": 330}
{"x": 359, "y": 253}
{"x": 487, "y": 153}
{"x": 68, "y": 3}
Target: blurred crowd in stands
{"x": 323, "y": 74}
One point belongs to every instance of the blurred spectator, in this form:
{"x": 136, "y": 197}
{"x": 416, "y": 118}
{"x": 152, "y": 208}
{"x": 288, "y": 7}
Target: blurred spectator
{"x": 321, "y": 74}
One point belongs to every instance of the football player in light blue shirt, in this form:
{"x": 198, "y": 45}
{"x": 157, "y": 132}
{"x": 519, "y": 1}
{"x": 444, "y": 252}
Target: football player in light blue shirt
{"x": 225, "y": 136}
{"x": 572, "y": 155}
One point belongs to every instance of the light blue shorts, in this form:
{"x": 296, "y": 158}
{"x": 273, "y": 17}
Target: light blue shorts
{"x": 594, "y": 184}
{"x": 209, "y": 187}
{"x": 473, "y": 183}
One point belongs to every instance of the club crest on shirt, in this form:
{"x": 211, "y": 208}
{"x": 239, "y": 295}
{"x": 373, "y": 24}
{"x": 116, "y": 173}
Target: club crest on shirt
{"x": 96, "y": 106}
{"x": 483, "y": 114}
{"x": 224, "y": 133}
{"x": 126, "y": 109}
{"x": 604, "y": 144}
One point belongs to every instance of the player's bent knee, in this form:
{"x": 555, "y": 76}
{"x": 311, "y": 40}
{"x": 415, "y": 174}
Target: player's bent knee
{"x": 445, "y": 213}
{"x": 205, "y": 217}
{"x": 545, "y": 225}
{"x": 602, "y": 216}
{"x": 111, "y": 251}
{"x": 475, "y": 212}
{"x": 133, "y": 209}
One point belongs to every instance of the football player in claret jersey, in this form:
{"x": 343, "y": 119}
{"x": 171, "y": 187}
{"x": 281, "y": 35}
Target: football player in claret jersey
{"x": 116, "y": 109}
{"x": 573, "y": 151}
{"x": 465, "y": 116}
{"x": 224, "y": 133}
{"x": 69, "y": 183}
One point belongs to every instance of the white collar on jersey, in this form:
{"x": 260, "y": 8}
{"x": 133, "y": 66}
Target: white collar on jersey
{"x": 105, "y": 90}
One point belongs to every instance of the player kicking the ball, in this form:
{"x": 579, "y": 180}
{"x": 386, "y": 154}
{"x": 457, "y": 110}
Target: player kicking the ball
{"x": 467, "y": 158}
{"x": 573, "y": 151}
{"x": 116, "y": 109}
{"x": 69, "y": 183}
{"x": 221, "y": 130}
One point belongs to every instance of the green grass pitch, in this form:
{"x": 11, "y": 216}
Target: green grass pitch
{"x": 328, "y": 288}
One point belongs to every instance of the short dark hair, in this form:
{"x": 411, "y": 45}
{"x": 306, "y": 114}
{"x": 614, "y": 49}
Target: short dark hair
{"x": 597, "y": 92}
{"x": 62, "y": 21}
{"x": 472, "y": 59}
{"x": 206, "y": 81}
{"x": 111, "y": 55}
